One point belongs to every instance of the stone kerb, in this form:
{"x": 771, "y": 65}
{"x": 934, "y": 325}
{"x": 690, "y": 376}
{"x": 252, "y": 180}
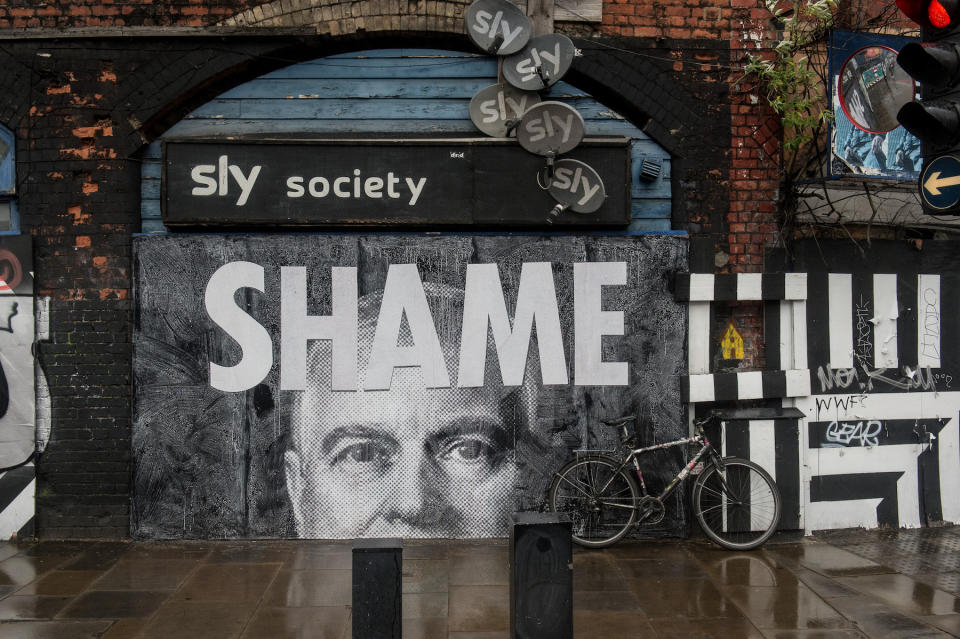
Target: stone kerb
{"x": 335, "y": 17}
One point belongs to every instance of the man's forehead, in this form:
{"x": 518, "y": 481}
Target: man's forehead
{"x": 406, "y": 398}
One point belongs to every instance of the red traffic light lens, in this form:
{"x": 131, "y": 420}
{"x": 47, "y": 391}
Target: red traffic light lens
{"x": 933, "y": 14}
{"x": 938, "y": 15}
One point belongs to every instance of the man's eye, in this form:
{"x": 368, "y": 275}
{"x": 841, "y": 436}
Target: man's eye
{"x": 363, "y": 453}
{"x": 469, "y": 450}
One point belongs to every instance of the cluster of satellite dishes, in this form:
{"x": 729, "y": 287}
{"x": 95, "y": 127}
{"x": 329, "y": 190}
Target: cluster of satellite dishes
{"x": 528, "y": 66}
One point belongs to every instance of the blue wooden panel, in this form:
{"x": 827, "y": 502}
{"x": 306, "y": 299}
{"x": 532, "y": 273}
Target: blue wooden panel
{"x": 299, "y": 88}
{"x": 380, "y": 108}
{"x": 394, "y": 64}
{"x": 153, "y": 150}
{"x": 201, "y": 128}
{"x": 152, "y": 226}
{"x": 650, "y": 225}
{"x": 8, "y": 173}
{"x": 150, "y": 189}
{"x": 151, "y": 169}
{"x": 391, "y": 92}
{"x": 150, "y": 209}
{"x": 643, "y": 209}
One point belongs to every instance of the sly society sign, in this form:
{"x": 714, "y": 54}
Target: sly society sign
{"x": 441, "y": 181}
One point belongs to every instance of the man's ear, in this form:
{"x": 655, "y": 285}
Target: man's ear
{"x": 295, "y": 486}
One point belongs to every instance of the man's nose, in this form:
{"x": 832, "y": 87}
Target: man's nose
{"x": 419, "y": 496}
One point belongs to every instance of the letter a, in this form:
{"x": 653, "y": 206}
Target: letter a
{"x": 403, "y": 295}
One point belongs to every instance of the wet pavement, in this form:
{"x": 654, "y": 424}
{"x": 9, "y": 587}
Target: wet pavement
{"x": 841, "y": 585}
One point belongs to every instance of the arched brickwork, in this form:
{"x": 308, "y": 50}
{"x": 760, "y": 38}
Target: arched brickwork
{"x": 345, "y": 17}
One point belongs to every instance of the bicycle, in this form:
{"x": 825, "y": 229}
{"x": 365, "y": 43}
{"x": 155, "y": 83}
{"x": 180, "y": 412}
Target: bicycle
{"x": 735, "y": 501}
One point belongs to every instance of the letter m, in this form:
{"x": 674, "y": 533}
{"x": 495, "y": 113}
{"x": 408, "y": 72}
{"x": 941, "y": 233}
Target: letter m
{"x": 484, "y": 307}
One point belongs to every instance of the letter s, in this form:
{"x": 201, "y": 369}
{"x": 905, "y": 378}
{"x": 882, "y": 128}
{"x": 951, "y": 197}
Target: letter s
{"x": 561, "y": 179}
{"x": 254, "y": 340}
{"x": 535, "y": 129}
{"x": 482, "y": 26}
{"x": 295, "y": 186}
{"x": 199, "y": 175}
{"x": 489, "y": 109}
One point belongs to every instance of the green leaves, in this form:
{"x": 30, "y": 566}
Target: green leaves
{"x": 793, "y": 89}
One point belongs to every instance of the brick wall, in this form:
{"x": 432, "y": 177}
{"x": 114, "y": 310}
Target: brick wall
{"x": 82, "y": 107}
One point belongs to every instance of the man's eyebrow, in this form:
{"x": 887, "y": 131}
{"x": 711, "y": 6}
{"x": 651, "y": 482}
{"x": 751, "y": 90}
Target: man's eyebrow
{"x": 494, "y": 429}
{"x": 345, "y": 431}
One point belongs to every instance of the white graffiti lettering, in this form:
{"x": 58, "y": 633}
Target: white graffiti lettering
{"x": 844, "y": 378}
{"x": 864, "y": 347}
{"x": 858, "y": 434}
{"x": 930, "y": 343}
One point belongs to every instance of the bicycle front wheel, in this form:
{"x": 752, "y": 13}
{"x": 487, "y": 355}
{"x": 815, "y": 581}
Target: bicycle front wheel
{"x": 599, "y": 497}
{"x": 737, "y": 505}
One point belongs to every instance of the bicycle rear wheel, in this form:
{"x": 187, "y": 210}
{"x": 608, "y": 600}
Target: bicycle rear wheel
{"x": 600, "y": 499}
{"x": 738, "y": 505}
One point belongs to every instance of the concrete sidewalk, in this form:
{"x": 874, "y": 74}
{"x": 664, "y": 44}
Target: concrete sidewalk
{"x": 841, "y": 585}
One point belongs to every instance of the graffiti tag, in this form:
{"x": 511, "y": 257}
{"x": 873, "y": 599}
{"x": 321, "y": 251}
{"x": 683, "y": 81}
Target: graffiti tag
{"x": 930, "y": 342}
{"x": 850, "y": 434}
{"x": 864, "y": 349}
{"x": 839, "y": 403}
{"x": 905, "y": 379}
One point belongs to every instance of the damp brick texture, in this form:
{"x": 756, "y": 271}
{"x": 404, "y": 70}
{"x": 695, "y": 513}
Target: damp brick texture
{"x": 89, "y": 83}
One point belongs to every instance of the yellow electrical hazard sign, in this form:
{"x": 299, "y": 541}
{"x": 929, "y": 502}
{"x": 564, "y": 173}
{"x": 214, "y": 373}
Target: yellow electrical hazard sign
{"x": 732, "y": 344}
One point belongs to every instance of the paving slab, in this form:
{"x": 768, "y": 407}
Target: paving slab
{"x": 838, "y": 585}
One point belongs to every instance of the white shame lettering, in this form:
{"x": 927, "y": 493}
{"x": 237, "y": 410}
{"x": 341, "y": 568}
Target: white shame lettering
{"x": 403, "y": 296}
{"x": 214, "y": 179}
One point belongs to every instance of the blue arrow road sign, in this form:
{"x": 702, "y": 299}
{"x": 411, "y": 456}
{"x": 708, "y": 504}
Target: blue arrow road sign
{"x": 940, "y": 183}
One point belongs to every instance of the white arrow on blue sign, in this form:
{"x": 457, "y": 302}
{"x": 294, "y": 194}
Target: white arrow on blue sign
{"x": 940, "y": 183}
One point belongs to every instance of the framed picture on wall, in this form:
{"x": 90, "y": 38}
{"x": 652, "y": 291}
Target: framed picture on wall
{"x": 867, "y": 88}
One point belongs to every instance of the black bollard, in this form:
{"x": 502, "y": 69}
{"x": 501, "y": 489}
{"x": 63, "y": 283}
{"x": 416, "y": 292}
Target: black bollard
{"x": 377, "y": 583}
{"x": 541, "y": 576}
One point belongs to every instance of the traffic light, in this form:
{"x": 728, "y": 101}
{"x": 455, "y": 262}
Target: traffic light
{"x": 935, "y": 120}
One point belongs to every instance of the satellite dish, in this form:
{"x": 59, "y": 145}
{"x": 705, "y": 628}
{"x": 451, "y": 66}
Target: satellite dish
{"x": 493, "y": 107}
{"x": 576, "y": 186}
{"x": 498, "y": 27}
{"x": 541, "y": 63}
{"x": 550, "y": 129}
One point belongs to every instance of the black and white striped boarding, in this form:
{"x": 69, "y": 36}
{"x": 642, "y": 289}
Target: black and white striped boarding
{"x": 878, "y": 321}
{"x": 17, "y": 490}
{"x": 708, "y": 287}
{"x": 717, "y": 387}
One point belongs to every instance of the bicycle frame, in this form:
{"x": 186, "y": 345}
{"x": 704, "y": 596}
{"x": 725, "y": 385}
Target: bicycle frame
{"x": 705, "y": 449}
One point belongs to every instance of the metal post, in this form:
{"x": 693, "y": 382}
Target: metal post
{"x": 541, "y": 576}
{"x": 377, "y": 583}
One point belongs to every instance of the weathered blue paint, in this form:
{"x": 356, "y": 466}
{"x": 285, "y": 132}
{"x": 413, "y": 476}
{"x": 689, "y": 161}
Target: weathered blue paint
{"x": 8, "y": 176}
{"x": 391, "y": 92}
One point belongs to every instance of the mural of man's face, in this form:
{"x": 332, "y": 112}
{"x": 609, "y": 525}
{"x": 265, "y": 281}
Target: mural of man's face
{"x": 406, "y": 462}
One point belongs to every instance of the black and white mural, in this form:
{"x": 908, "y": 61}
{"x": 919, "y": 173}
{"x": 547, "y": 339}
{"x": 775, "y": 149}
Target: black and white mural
{"x": 882, "y": 433}
{"x": 342, "y": 385}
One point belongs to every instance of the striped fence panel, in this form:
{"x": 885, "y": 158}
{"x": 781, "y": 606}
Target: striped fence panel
{"x": 785, "y": 296}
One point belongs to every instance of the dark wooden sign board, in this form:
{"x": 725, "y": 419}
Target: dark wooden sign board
{"x": 450, "y": 182}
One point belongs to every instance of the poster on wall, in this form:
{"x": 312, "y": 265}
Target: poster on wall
{"x": 17, "y": 400}
{"x": 868, "y": 87}
{"x": 340, "y": 386}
